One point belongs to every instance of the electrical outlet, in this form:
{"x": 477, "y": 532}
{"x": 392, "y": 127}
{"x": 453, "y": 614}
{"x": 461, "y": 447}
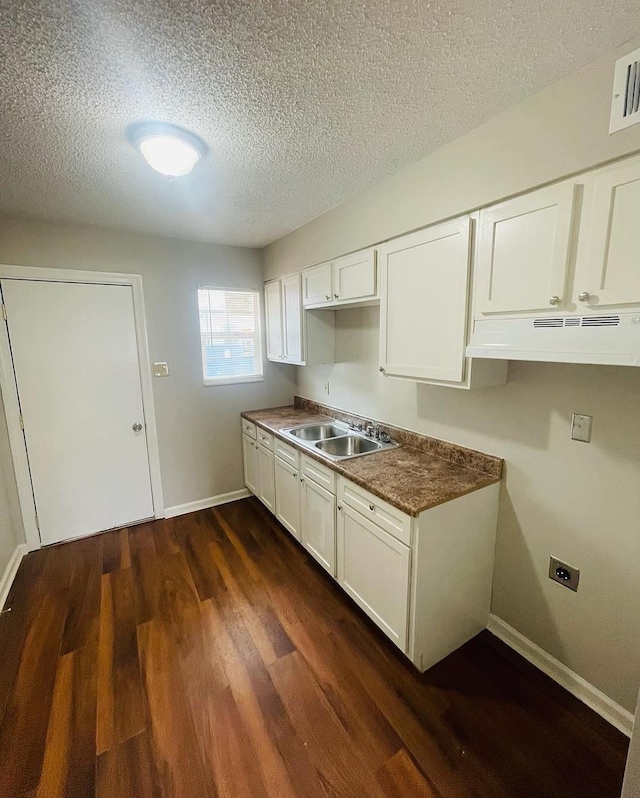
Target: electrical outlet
{"x": 581, "y": 427}
{"x": 564, "y": 574}
{"x": 326, "y": 388}
{"x": 160, "y": 370}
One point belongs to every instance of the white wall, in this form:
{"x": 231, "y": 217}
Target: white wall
{"x": 11, "y": 529}
{"x": 198, "y": 426}
{"x": 575, "y": 501}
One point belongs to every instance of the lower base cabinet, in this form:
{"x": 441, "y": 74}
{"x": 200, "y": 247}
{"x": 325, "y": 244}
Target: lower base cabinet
{"x": 319, "y": 523}
{"x": 425, "y": 581}
{"x": 288, "y": 510}
{"x": 374, "y": 568}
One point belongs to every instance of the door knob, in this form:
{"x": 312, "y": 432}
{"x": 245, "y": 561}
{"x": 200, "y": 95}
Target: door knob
{"x": 584, "y": 296}
{"x": 137, "y": 427}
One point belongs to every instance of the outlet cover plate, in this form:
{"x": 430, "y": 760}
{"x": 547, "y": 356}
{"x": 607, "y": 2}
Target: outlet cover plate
{"x": 564, "y": 574}
{"x": 581, "y": 427}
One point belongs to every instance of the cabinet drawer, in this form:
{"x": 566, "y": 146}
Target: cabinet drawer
{"x": 287, "y": 453}
{"x": 265, "y": 439}
{"x": 389, "y": 518}
{"x": 249, "y": 428}
{"x": 320, "y": 474}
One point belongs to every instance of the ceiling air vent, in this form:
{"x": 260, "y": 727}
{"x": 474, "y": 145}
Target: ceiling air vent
{"x": 625, "y": 105}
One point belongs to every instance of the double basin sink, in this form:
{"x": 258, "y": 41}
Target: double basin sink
{"x": 336, "y": 441}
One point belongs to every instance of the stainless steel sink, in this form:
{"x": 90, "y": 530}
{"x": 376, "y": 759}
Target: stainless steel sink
{"x": 336, "y": 441}
{"x": 317, "y": 432}
{"x": 349, "y": 446}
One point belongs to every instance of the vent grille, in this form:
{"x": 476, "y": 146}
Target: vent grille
{"x": 625, "y": 104}
{"x": 577, "y": 321}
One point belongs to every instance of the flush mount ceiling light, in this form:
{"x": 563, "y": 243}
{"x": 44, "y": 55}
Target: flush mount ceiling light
{"x": 167, "y": 148}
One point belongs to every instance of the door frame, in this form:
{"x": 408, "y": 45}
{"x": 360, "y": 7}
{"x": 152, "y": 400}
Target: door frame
{"x": 9, "y": 388}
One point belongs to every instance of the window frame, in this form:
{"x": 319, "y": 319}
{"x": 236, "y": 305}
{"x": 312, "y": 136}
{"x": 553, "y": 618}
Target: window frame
{"x": 236, "y": 379}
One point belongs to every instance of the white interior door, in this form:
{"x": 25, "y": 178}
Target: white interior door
{"x": 77, "y": 372}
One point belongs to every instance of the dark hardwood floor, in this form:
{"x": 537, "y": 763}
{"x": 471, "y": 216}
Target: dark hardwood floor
{"x": 207, "y": 656}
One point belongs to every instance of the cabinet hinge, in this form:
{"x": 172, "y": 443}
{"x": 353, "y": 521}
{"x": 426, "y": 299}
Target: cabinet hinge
{"x": 21, "y": 422}
{"x": 4, "y": 312}
{"x": 37, "y": 523}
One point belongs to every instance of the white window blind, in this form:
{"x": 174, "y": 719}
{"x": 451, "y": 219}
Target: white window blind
{"x": 230, "y": 335}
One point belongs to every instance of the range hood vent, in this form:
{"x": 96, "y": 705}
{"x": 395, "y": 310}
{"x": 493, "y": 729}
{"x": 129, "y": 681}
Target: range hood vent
{"x": 611, "y": 339}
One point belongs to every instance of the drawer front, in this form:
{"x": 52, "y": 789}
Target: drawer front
{"x": 320, "y": 474}
{"x": 287, "y": 453}
{"x": 249, "y": 428}
{"x": 265, "y": 439}
{"x": 389, "y": 518}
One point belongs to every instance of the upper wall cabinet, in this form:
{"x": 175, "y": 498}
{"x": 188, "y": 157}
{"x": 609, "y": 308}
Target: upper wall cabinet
{"x": 423, "y": 314}
{"x": 293, "y": 336}
{"x": 524, "y": 251}
{"x": 609, "y": 273}
{"x": 347, "y": 280}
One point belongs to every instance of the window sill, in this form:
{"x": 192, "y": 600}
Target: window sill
{"x": 233, "y": 380}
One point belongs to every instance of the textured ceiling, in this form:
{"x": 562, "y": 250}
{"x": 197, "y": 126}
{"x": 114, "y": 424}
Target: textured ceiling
{"x": 300, "y": 103}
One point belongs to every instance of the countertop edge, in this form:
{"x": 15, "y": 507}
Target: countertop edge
{"x": 335, "y": 466}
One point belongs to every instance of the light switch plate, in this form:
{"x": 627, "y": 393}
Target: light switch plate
{"x": 160, "y": 370}
{"x": 581, "y": 427}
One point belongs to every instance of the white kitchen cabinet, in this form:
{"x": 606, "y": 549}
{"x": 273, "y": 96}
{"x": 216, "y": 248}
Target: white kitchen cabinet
{"x": 524, "y": 251}
{"x": 274, "y": 320}
{"x": 374, "y": 568}
{"x": 317, "y": 285}
{"x": 292, "y": 318}
{"x": 424, "y": 304}
{"x": 250, "y": 463}
{"x": 354, "y": 277}
{"x": 609, "y": 273}
{"x": 319, "y": 523}
{"x": 288, "y": 500}
{"x": 348, "y": 280}
{"x": 294, "y": 336}
{"x": 266, "y": 478}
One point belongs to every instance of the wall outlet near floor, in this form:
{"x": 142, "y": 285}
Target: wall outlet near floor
{"x": 581, "y": 427}
{"x": 564, "y": 574}
{"x": 326, "y": 388}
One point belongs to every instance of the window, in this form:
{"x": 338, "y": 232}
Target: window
{"x": 230, "y": 335}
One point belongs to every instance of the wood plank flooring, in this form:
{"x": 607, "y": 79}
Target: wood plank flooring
{"x": 207, "y": 656}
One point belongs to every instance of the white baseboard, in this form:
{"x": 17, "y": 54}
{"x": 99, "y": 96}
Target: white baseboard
{"x": 617, "y": 716}
{"x": 204, "y": 504}
{"x": 6, "y": 580}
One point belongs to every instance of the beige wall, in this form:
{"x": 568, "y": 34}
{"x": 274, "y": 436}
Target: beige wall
{"x": 198, "y": 426}
{"x": 561, "y": 130}
{"x": 631, "y": 787}
{"x": 575, "y": 501}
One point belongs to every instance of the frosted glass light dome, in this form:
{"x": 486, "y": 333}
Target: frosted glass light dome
{"x": 168, "y": 149}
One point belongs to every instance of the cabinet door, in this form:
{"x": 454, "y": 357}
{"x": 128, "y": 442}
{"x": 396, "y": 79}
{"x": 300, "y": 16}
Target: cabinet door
{"x": 319, "y": 524}
{"x": 266, "y": 478}
{"x": 288, "y": 496}
{"x": 524, "y": 248}
{"x": 424, "y": 301}
{"x": 611, "y": 273}
{"x": 317, "y": 285}
{"x": 354, "y": 277}
{"x": 374, "y": 569}
{"x": 292, "y": 316}
{"x": 273, "y": 320}
{"x": 250, "y": 463}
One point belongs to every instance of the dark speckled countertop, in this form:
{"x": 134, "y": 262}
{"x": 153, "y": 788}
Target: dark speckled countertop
{"x": 422, "y": 473}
